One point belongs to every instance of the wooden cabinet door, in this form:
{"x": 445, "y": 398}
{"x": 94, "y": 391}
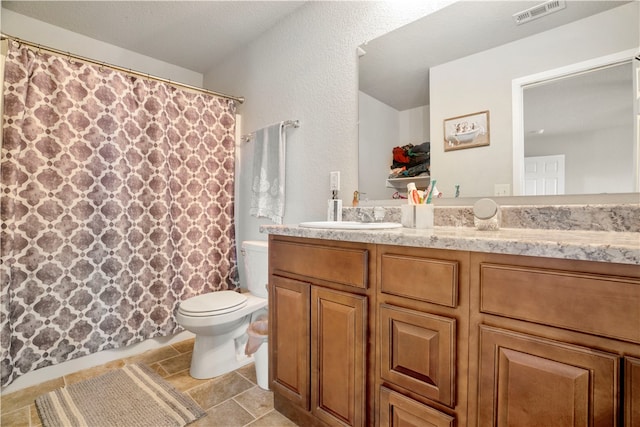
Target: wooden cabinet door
{"x": 632, "y": 392}
{"x": 418, "y": 352}
{"x": 397, "y": 410}
{"x": 289, "y": 339}
{"x": 526, "y": 381}
{"x": 338, "y": 359}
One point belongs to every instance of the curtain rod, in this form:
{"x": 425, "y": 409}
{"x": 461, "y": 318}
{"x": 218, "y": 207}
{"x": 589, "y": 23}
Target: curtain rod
{"x": 286, "y": 123}
{"x": 4, "y": 36}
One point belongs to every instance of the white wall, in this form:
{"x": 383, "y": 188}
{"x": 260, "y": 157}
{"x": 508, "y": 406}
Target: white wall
{"x": 595, "y": 165}
{"x": 306, "y": 68}
{"x": 381, "y": 128}
{"x": 414, "y": 126}
{"x": 483, "y": 82}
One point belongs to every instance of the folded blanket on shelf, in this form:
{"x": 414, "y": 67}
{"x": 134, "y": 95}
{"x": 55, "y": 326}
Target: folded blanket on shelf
{"x": 410, "y": 172}
{"x": 425, "y": 147}
{"x": 411, "y": 155}
{"x": 417, "y": 170}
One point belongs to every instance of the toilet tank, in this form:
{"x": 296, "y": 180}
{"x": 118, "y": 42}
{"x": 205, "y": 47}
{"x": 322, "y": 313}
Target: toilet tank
{"x": 256, "y": 266}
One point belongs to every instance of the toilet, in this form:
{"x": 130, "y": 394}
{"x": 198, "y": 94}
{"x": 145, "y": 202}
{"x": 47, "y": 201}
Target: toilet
{"x": 220, "y": 319}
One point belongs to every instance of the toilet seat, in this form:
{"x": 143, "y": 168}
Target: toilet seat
{"x": 213, "y": 304}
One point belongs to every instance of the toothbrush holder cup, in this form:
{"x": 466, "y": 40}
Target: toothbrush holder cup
{"x": 417, "y": 216}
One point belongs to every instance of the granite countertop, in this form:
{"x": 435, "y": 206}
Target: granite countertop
{"x": 603, "y": 246}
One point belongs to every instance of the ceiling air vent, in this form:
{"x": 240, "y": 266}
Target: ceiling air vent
{"x": 539, "y": 11}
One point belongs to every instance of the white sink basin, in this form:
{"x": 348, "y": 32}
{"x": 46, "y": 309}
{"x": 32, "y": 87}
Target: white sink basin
{"x": 350, "y": 225}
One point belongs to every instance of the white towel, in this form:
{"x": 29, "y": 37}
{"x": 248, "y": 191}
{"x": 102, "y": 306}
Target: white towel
{"x": 267, "y": 189}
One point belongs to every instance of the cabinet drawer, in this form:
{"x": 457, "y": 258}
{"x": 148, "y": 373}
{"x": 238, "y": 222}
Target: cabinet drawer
{"x": 346, "y": 266}
{"x": 400, "y": 411}
{"x": 425, "y": 279}
{"x": 417, "y": 352}
{"x": 595, "y": 304}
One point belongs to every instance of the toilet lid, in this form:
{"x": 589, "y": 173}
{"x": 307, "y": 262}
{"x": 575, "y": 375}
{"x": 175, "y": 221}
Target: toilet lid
{"x": 213, "y": 303}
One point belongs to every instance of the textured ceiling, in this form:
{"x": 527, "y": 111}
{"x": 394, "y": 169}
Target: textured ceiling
{"x": 191, "y": 34}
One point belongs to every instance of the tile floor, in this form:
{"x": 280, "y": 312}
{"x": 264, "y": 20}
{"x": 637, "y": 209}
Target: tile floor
{"x": 233, "y": 399}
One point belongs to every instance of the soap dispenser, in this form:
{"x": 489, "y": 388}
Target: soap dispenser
{"x": 334, "y": 209}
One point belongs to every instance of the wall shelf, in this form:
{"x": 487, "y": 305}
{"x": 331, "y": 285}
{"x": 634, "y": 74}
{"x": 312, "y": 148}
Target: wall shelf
{"x": 400, "y": 184}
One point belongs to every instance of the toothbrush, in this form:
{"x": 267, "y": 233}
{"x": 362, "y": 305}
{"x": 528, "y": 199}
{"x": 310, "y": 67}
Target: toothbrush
{"x": 433, "y": 184}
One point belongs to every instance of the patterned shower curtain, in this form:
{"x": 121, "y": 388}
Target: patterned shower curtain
{"x": 117, "y": 203}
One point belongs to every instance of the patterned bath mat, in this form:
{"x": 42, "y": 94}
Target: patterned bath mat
{"x": 133, "y": 396}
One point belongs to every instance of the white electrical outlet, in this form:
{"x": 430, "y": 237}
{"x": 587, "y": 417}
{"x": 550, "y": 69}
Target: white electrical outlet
{"x": 501, "y": 189}
{"x": 334, "y": 181}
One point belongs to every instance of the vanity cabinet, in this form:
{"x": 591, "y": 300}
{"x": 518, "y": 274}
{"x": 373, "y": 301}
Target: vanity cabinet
{"x": 557, "y": 342}
{"x": 319, "y": 324}
{"x": 386, "y": 335}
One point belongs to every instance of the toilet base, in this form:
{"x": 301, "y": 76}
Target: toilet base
{"x": 216, "y": 355}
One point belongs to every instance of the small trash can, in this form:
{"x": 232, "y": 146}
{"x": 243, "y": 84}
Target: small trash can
{"x": 257, "y": 344}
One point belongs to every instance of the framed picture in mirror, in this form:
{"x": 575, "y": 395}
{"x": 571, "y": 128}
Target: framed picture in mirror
{"x": 468, "y": 131}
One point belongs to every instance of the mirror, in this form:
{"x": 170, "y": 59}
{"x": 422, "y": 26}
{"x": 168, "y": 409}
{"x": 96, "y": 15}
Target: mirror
{"x": 466, "y": 59}
{"x": 573, "y": 132}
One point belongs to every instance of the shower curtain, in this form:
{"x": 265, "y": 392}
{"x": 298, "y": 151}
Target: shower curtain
{"x": 117, "y": 203}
